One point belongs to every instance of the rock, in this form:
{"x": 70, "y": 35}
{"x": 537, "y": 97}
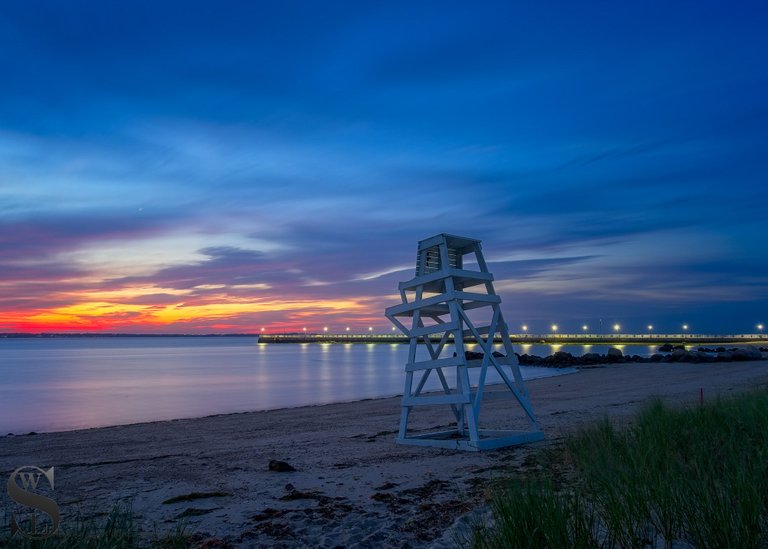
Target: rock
{"x": 614, "y": 353}
{"x": 740, "y": 355}
{"x": 280, "y": 466}
{"x": 529, "y": 360}
{"x": 747, "y": 353}
{"x": 290, "y": 487}
{"x": 590, "y": 358}
{"x": 666, "y": 348}
{"x": 562, "y": 359}
{"x": 472, "y": 355}
{"x": 681, "y": 355}
{"x": 677, "y": 354}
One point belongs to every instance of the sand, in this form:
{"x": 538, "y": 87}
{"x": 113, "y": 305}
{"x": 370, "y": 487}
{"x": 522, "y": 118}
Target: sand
{"x": 353, "y": 485}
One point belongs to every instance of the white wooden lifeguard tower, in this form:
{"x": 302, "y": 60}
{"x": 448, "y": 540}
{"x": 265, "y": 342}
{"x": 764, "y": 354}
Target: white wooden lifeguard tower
{"x": 436, "y": 301}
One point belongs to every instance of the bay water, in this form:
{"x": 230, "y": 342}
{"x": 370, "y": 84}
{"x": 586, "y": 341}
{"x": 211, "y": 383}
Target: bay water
{"x": 57, "y": 384}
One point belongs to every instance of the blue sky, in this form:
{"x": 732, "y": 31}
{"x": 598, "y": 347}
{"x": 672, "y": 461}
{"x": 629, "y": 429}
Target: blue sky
{"x": 220, "y": 167}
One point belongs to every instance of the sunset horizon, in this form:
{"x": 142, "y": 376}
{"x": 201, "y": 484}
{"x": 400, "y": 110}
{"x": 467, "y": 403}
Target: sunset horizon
{"x": 226, "y": 170}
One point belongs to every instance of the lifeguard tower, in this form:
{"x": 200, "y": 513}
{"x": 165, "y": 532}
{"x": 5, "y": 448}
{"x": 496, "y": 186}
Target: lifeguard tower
{"x": 436, "y": 303}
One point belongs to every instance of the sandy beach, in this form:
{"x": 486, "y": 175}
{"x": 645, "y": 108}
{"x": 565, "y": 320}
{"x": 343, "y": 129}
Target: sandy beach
{"x": 353, "y": 485}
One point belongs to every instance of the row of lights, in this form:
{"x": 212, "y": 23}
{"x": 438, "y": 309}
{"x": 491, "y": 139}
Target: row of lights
{"x": 617, "y": 327}
{"x": 325, "y": 329}
{"x": 555, "y": 327}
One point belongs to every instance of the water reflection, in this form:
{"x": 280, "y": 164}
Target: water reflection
{"x": 107, "y": 381}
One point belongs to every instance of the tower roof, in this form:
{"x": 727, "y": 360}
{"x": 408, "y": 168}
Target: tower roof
{"x": 453, "y": 241}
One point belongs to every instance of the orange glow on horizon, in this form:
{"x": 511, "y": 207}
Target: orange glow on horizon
{"x": 210, "y": 313}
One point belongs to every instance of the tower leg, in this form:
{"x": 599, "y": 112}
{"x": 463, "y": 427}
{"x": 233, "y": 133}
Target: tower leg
{"x": 405, "y": 411}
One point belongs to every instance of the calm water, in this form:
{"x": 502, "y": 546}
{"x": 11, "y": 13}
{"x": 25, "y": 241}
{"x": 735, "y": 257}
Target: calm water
{"x": 62, "y": 384}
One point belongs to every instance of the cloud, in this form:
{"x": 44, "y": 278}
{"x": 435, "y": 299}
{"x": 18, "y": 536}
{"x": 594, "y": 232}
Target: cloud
{"x": 40, "y": 237}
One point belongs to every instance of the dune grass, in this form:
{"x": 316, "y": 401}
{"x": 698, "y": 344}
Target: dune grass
{"x": 117, "y": 531}
{"x": 695, "y": 477}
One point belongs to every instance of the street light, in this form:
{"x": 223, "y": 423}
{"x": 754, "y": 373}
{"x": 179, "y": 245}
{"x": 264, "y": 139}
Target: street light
{"x": 685, "y": 327}
{"x": 325, "y": 328}
{"x": 347, "y": 328}
{"x": 650, "y": 327}
{"x": 370, "y": 328}
{"x": 585, "y": 327}
{"x": 616, "y": 327}
{"x": 554, "y": 327}
{"x": 760, "y": 327}
{"x": 525, "y": 328}
{"x": 304, "y": 329}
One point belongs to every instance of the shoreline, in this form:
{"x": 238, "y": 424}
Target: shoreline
{"x": 353, "y": 484}
{"x": 552, "y": 372}
{"x": 560, "y": 372}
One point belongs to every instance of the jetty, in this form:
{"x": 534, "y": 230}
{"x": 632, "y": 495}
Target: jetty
{"x": 527, "y": 338}
{"x": 373, "y": 337}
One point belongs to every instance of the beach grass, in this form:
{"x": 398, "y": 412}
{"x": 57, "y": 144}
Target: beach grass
{"x": 693, "y": 477}
{"x": 117, "y": 531}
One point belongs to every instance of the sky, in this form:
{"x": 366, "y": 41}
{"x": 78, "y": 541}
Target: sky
{"x": 223, "y": 167}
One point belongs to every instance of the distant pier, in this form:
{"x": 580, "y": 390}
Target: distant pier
{"x": 546, "y": 339}
{"x": 394, "y": 337}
